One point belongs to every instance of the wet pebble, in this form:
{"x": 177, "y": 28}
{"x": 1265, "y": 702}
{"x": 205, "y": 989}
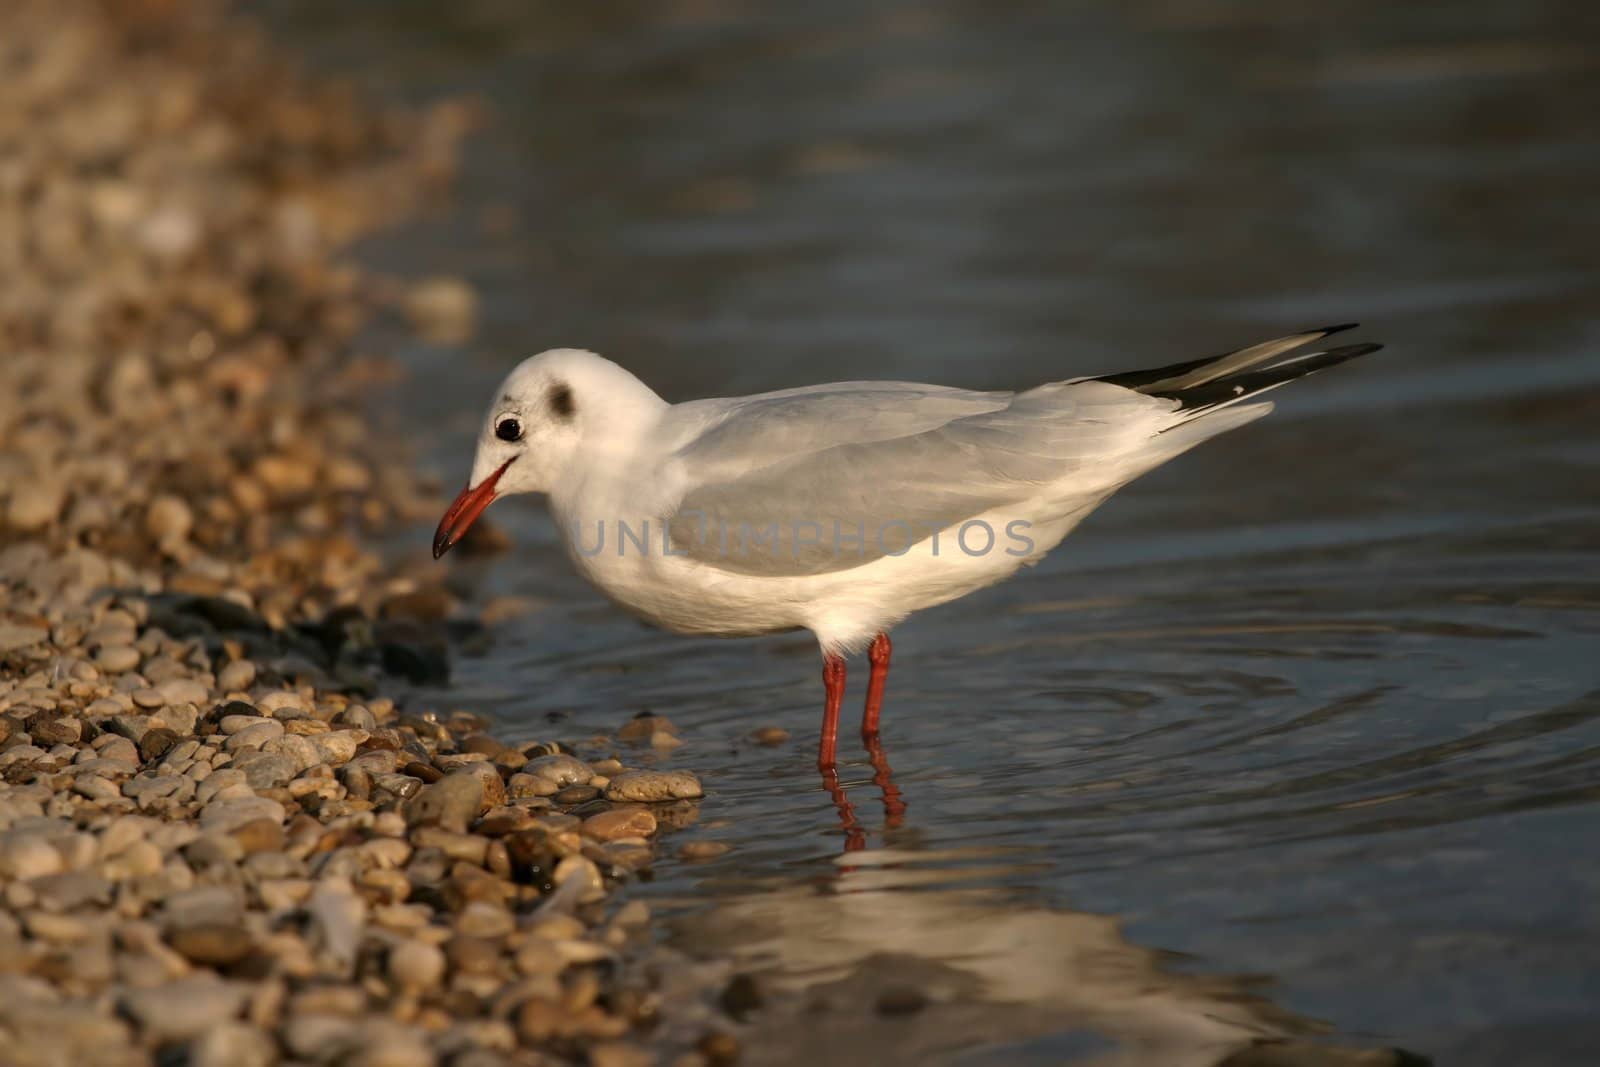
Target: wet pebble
{"x": 650, "y": 786}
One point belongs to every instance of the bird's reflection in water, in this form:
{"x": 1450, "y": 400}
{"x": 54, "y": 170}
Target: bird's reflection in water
{"x": 889, "y": 957}
{"x": 894, "y": 806}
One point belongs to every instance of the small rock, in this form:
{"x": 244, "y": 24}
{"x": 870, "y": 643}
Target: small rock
{"x": 182, "y": 691}
{"x": 618, "y": 1054}
{"x": 28, "y": 856}
{"x": 51, "y": 728}
{"x": 562, "y": 770}
{"x": 642, "y": 728}
{"x": 336, "y": 748}
{"x": 254, "y": 736}
{"x": 212, "y": 944}
{"x": 337, "y": 916}
{"x": 237, "y": 676}
{"x": 265, "y": 770}
{"x": 233, "y": 1044}
{"x": 36, "y": 503}
{"x": 416, "y": 965}
{"x": 117, "y": 659}
{"x": 453, "y": 801}
{"x": 184, "y": 1009}
{"x": 473, "y": 955}
{"x": 225, "y": 814}
{"x": 482, "y": 919}
{"x": 168, "y": 520}
{"x": 156, "y": 743}
{"x": 741, "y": 996}
{"x": 620, "y": 822}
{"x": 574, "y": 795}
{"x": 149, "y": 698}
{"x": 260, "y": 835}
{"x": 703, "y": 850}
{"x": 649, "y": 786}
{"x": 770, "y": 736}
{"x": 900, "y": 1000}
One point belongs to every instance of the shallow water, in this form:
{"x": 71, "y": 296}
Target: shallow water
{"x": 1318, "y": 703}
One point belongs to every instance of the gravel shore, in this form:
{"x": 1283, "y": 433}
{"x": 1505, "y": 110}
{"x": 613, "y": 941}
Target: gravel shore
{"x": 221, "y": 844}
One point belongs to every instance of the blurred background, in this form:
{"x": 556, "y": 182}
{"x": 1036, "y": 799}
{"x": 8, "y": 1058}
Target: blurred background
{"x": 1317, "y": 703}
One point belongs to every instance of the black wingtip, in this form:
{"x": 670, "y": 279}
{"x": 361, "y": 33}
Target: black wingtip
{"x": 1341, "y": 328}
{"x": 1352, "y": 351}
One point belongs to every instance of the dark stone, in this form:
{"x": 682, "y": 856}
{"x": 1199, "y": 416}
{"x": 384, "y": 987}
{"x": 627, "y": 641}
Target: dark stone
{"x": 426, "y": 771}
{"x": 430, "y": 604}
{"x": 223, "y": 613}
{"x": 156, "y": 743}
{"x": 576, "y": 794}
{"x": 53, "y": 728}
{"x": 900, "y": 1000}
{"x": 413, "y": 651}
{"x": 233, "y": 707}
{"x": 533, "y": 857}
{"x": 741, "y": 996}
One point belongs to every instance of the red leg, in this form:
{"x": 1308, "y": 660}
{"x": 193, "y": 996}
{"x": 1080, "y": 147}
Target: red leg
{"x": 833, "y": 683}
{"x": 878, "y": 656}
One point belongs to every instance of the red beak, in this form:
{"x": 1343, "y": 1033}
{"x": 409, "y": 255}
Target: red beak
{"x": 465, "y": 511}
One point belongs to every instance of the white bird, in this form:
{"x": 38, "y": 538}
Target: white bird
{"x": 841, "y": 508}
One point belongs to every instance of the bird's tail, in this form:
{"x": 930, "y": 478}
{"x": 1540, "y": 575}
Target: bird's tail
{"x": 1203, "y": 386}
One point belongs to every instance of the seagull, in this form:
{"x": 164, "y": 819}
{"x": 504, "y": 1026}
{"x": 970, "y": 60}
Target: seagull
{"x": 840, "y": 508}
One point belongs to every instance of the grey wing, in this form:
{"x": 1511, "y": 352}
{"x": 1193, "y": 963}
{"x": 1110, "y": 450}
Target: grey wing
{"x": 819, "y": 483}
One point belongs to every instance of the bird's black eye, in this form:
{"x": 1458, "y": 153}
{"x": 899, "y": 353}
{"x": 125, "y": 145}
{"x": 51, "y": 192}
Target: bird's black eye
{"x": 508, "y": 430}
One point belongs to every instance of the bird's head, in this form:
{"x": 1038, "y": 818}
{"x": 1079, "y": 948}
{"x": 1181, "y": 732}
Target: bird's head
{"x": 555, "y": 410}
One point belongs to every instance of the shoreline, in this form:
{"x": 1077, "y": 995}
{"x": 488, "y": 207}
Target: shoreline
{"x": 216, "y": 833}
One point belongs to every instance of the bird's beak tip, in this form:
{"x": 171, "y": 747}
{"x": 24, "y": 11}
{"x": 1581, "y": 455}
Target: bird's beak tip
{"x": 464, "y": 511}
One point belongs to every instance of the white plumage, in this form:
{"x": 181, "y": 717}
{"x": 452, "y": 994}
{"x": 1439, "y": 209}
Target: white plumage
{"x": 837, "y": 508}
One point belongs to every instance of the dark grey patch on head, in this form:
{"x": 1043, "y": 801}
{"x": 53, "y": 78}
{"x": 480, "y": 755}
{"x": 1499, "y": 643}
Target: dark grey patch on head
{"x": 561, "y": 400}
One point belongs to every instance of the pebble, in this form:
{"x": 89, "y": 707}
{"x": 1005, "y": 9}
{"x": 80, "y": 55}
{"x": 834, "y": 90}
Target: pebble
{"x": 651, "y": 786}
{"x": 770, "y": 736}
{"x": 703, "y": 850}
{"x": 116, "y": 659}
{"x": 168, "y": 519}
{"x": 182, "y": 691}
{"x": 220, "y": 843}
{"x": 561, "y": 770}
{"x": 337, "y": 916}
{"x": 416, "y": 965}
{"x": 212, "y": 944}
{"x": 236, "y": 676}
{"x": 620, "y": 822}
{"x": 233, "y": 1044}
{"x": 186, "y": 1008}
{"x": 224, "y": 814}
{"x": 254, "y": 736}
{"x": 452, "y": 801}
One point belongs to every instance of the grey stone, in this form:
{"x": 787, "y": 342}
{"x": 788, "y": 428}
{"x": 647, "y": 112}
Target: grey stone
{"x": 453, "y": 801}
{"x": 264, "y": 770}
{"x": 186, "y": 1008}
{"x": 562, "y": 770}
{"x": 230, "y": 813}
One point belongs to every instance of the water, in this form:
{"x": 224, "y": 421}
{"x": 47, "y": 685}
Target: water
{"x": 1317, "y": 703}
